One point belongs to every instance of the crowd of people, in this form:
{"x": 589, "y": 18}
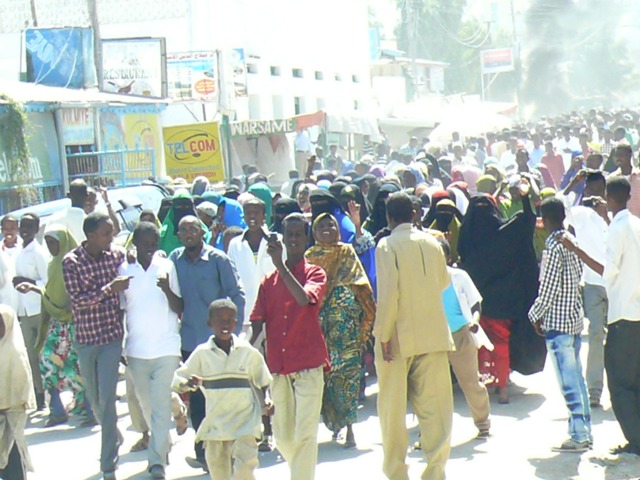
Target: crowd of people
{"x": 257, "y": 312}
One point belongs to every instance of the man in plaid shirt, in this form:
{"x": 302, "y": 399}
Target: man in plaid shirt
{"x": 92, "y": 281}
{"x": 557, "y": 315}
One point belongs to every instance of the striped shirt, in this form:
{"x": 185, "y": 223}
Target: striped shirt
{"x": 559, "y": 302}
{"x": 96, "y": 311}
{"x": 231, "y": 385}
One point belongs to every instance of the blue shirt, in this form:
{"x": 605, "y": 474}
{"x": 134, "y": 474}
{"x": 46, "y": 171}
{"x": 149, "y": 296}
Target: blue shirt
{"x": 452, "y": 309}
{"x": 209, "y": 277}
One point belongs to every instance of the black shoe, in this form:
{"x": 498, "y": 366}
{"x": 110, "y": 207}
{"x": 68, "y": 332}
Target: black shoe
{"x": 628, "y": 448}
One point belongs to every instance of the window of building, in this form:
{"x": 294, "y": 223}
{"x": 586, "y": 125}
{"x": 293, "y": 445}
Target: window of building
{"x": 297, "y": 73}
{"x": 321, "y": 103}
{"x": 356, "y": 105}
{"x": 355, "y": 78}
{"x": 319, "y": 75}
{"x": 254, "y": 107}
{"x": 338, "y": 77}
{"x": 297, "y": 105}
{"x": 252, "y": 68}
{"x": 275, "y": 71}
{"x": 278, "y": 106}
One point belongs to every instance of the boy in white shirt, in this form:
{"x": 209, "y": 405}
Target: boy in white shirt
{"x": 233, "y": 377}
{"x": 461, "y": 301}
{"x": 9, "y": 249}
{"x": 31, "y": 267}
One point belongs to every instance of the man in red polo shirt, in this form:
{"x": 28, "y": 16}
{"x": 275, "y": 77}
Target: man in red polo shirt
{"x": 289, "y": 304}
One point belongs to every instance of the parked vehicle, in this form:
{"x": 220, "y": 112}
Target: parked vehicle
{"x": 127, "y": 203}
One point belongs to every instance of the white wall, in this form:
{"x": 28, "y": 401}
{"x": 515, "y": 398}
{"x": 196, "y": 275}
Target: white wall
{"x": 331, "y": 38}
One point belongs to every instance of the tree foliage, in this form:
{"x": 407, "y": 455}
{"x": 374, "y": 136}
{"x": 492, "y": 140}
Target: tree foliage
{"x": 437, "y": 30}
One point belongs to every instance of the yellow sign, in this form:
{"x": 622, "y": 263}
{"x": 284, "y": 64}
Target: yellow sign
{"x": 194, "y": 150}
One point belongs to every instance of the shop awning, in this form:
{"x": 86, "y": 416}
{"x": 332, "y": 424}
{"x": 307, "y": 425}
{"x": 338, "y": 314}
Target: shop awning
{"x": 31, "y": 93}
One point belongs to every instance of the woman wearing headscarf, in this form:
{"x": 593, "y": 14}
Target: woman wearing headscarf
{"x": 461, "y": 196}
{"x": 437, "y": 197}
{"x": 59, "y": 362}
{"x": 303, "y": 195}
{"x": 352, "y": 193}
{"x": 487, "y": 184}
{"x": 378, "y": 216}
{"x": 16, "y": 397}
{"x": 230, "y": 214}
{"x": 263, "y": 192}
{"x": 346, "y": 316}
{"x": 500, "y": 259}
{"x": 182, "y": 206}
{"x": 323, "y": 202}
{"x": 283, "y": 207}
{"x": 447, "y": 222}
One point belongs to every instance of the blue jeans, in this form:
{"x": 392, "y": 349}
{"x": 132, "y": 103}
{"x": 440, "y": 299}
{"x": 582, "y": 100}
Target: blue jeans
{"x": 564, "y": 351}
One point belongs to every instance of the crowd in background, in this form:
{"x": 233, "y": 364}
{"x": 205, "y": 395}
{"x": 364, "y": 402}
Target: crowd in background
{"x": 480, "y": 254}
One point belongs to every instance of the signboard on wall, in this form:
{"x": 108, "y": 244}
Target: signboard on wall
{"x": 135, "y": 66}
{"x": 251, "y": 128}
{"x": 60, "y": 57}
{"x": 192, "y": 75}
{"x": 497, "y": 60}
{"x": 194, "y": 150}
{"x": 78, "y": 126}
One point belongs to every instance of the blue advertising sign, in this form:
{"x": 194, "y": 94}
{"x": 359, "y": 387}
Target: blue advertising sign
{"x": 60, "y": 57}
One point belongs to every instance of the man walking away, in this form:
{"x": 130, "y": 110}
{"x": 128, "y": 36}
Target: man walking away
{"x": 413, "y": 341}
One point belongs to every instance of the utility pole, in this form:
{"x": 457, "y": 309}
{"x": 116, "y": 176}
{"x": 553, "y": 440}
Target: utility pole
{"x": 34, "y": 14}
{"x": 92, "y": 8}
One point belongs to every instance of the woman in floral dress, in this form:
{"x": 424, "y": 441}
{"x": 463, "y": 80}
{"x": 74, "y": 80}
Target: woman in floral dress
{"x": 346, "y": 316}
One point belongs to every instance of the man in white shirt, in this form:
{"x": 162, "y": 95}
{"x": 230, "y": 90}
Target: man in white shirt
{"x": 590, "y": 222}
{"x": 567, "y": 144}
{"x": 248, "y": 252}
{"x": 31, "y": 267}
{"x": 9, "y": 249}
{"x": 620, "y": 273}
{"x": 152, "y": 345}
{"x": 508, "y": 158}
{"x": 72, "y": 218}
{"x": 302, "y": 146}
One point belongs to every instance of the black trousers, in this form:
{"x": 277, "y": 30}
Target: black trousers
{"x": 622, "y": 363}
{"x": 14, "y": 469}
{"x": 197, "y": 411}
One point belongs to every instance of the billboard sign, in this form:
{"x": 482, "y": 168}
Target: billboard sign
{"x": 194, "y": 150}
{"x": 134, "y": 66}
{"x": 60, "y": 57}
{"x": 251, "y": 128}
{"x": 192, "y": 75}
{"x": 497, "y": 60}
{"x": 78, "y": 126}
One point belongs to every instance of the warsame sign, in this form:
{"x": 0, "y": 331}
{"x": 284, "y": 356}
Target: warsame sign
{"x": 194, "y": 150}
